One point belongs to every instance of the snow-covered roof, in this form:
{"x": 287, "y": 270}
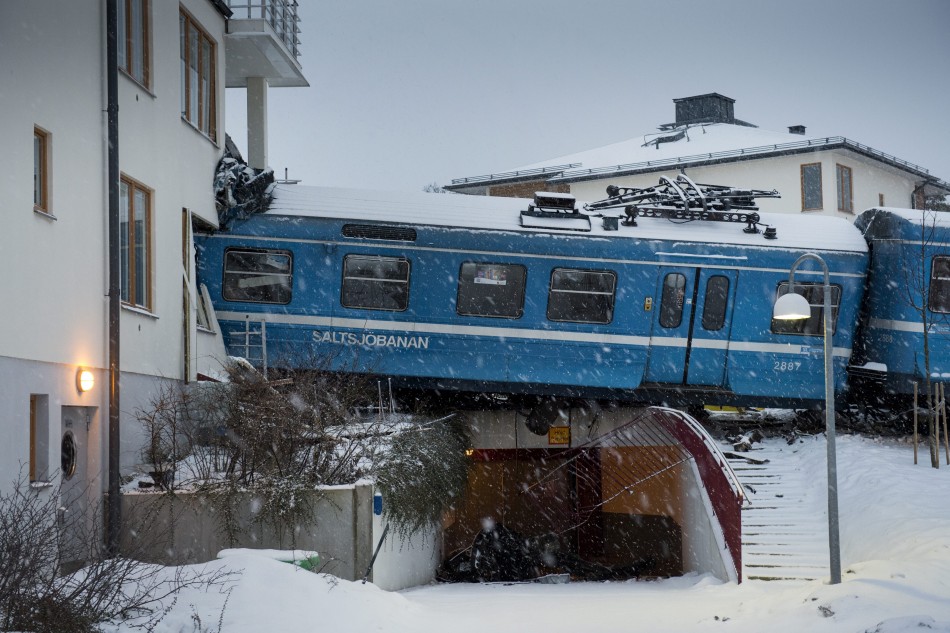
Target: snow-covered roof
{"x": 700, "y": 138}
{"x": 917, "y": 217}
{"x": 797, "y": 231}
{"x": 692, "y": 144}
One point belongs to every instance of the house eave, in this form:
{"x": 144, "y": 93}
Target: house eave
{"x": 744, "y": 154}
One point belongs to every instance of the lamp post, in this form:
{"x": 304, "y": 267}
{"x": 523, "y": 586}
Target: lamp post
{"x": 793, "y": 306}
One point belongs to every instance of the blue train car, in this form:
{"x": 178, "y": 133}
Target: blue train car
{"x": 908, "y": 287}
{"x": 475, "y": 294}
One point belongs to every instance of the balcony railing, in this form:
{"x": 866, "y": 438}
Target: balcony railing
{"x": 280, "y": 14}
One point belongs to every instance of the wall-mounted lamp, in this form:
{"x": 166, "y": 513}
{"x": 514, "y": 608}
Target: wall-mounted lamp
{"x": 85, "y": 380}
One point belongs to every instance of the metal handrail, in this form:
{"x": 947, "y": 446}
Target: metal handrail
{"x": 539, "y": 171}
{"x": 280, "y": 14}
{"x": 747, "y": 151}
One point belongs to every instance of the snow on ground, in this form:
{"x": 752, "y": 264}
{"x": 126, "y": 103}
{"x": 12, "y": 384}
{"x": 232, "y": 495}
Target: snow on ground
{"x": 895, "y": 534}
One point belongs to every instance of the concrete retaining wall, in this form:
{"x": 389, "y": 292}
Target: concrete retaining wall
{"x": 183, "y": 529}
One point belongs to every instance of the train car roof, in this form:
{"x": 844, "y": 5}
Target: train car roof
{"x": 882, "y": 223}
{"x": 805, "y": 232}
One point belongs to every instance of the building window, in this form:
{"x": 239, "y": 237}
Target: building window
{"x": 813, "y": 325}
{"x": 39, "y": 438}
{"x": 811, "y": 187}
{"x": 843, "y": 182}
{"x": 491, "y": 290}
{"x": 880, "y": 199}
{"x": 135, "y": 222}
{"x": 375, "y": 283}
{"x": 581, "y": 296}
{"x": 257, "y": 276}
{"x": 198, "y": 104}
{"x": 133, "y": 39}
{"x": 715, "y": 303}
{"x": 940, "y": 285}
{"x": 41, "y": 169}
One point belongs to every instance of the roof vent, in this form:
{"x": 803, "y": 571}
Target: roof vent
{"x": 796, "y": 129}
{"x": 379, "y": 232}
{"x": 554, "y": 202}
{"x": 554, "y": 211}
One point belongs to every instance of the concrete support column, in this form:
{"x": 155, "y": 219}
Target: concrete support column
{"x": 257, "y": 122}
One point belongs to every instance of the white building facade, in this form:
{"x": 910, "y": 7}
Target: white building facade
{"x": 172, "y": 60}
{"x": 828, "y": 175}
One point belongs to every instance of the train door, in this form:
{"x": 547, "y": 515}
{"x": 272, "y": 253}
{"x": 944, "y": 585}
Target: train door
{"x": 691, "y": 326}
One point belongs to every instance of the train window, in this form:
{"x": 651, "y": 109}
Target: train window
{"x": 491, "y": 290}
{"x": 813, "y": 325}
{"x": 714, "y": 305}
{"x": 940, "y": 285}
{"x": 581, "y": 296}
{"x": 671, "y": 303}
{"x": 258, "y": 276}
{"x": 375, "y": 283}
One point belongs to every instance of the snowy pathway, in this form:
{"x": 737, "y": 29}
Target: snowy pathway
{"x": 784, "y": 527}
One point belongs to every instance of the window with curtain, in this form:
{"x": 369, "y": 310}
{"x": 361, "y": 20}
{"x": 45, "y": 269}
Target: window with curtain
{"x": 133, "y": 39}
{"x": 198, "y": 104}
{"x": 845, "y": 188}
{"x": 135, "y": 218}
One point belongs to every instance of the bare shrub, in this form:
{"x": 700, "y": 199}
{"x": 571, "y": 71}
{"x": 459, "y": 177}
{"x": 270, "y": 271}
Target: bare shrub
{"x": 423, "y": 474}
{"x": 36, "y": 547}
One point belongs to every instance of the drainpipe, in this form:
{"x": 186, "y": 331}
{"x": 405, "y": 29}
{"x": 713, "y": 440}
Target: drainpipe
{"x": 114, "y": 509}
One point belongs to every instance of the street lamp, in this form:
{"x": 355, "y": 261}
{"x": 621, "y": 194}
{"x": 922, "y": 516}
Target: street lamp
{"x": 792, "y": 307}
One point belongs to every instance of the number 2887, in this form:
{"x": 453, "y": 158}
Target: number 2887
{"x": 789, "y": 365}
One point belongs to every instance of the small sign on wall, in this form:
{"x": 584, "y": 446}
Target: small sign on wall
{"x": 559, "y": 436}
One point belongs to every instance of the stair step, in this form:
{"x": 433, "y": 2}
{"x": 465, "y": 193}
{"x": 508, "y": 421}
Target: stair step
{"x": 784, "y": 535}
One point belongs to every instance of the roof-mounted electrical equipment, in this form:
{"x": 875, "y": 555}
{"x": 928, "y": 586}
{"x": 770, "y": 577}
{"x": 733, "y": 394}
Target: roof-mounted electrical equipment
{"x": 683, "y": 200}
{"x": 554, "y": 211}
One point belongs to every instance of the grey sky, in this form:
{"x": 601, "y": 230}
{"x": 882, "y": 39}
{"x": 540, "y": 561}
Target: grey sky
{"x": 404, "y": 93}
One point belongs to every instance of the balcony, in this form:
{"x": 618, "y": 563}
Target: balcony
{"x": 262, "y": 41}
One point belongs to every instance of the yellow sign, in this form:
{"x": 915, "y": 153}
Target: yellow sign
{"x": 559, "y": 436}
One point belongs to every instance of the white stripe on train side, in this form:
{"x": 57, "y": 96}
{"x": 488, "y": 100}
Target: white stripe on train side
{"x": 409, "y": 329}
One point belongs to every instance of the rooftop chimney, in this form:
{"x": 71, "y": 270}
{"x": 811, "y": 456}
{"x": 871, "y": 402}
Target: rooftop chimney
{"x": 707, "y": 108}
{"x": 796, "y": 129}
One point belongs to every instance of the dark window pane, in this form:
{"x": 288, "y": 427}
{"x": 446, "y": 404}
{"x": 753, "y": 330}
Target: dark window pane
{"x": 375, "y": 283}
{"x": 940, "y": 285}
{"x": 813, "y": 325}
{"x": 714, "y": 305}
{"x": 844, "y": 188}
{"x": 581, "y": 296}
{"x": 491, "y": 290}
{"x": 258, "y": 276}
{"x": 671, "y": 303}
{"x": 811, "y": 186}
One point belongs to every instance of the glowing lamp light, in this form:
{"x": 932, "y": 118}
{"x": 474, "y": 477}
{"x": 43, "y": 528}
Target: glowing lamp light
{"x": 469, "y": 452}
{"x": 791, "y": 307}
{"x": 85, "y": 380}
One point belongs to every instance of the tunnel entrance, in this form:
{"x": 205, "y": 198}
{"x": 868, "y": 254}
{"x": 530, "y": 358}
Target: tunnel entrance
{"x": 640, "y": 493}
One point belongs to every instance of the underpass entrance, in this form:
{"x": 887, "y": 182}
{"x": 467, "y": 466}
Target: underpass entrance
{"x": 627, "y": 493}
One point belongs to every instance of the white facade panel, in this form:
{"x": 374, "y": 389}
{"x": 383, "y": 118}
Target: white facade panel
{"x": 783, "y": 173}
{"x": 53, "y": 67}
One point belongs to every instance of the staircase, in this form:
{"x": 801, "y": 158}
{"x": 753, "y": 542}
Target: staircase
{"x": 784, "y": 525}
